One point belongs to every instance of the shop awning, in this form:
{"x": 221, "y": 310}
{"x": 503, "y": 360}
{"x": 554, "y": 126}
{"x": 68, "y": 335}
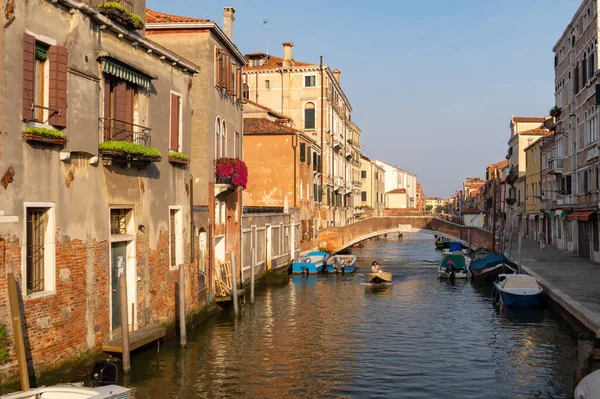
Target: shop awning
{"x": 582, "y": 216}
{"x": 125, "y": 73}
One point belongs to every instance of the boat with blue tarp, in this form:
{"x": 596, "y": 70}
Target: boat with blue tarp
{"x": 453, "y": 266}
{"x": 340, "y": 264}
{"x": 311, "y": 263}
{"x": 488, "y": 268}
{"x": 454, "y": 247}
{"x": 517, "y": 290}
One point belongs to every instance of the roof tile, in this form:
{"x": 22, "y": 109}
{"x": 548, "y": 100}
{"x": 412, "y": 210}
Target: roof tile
{"x": 266, "y": 126}
{"x": 528, "y": 119}
{"x": 273, "y": 62}
{"x": 155, "y": 17}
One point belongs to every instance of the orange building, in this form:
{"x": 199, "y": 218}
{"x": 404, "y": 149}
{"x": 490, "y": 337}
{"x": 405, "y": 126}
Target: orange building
{"x": 283, "y": 166}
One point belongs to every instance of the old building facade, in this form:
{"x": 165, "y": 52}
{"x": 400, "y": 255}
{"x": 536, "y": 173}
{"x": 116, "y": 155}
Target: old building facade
{"x": 94, "y": 183}
{"x": 372, "y": 194}
{"x": 396, "y": 178}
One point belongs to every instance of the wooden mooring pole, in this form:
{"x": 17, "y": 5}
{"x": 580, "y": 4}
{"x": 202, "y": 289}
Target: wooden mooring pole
{"x": 469, "y": 239}
{"x": 124, "y": 323}
{"x": 519, "y": 252}
{"x": 585, "y": 356}
{"x": 15, "y": 315}
{"x": 234, "y": 285}
{"x": 252, "y": 277}
{"x": 182, "y": 329}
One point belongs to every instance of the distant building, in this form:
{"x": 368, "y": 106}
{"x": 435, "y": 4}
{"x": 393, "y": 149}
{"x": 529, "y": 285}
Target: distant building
{"x": 434, "y": 202}
{"x": 396, "y": 199}
{"x": 396, "y": 178}
{"x": 372, "y": 178}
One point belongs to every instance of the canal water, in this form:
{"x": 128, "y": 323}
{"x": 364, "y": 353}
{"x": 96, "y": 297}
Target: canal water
{"x": 334, "y": 337}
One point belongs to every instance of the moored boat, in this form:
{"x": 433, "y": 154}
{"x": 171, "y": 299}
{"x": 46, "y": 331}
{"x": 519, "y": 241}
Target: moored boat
{"x": 589, "y": 387}
{"x": 453, "y": 266}
{"x": 378, "y": 278}
{"x": 454, "y": 247}
{"x": 487, "y": 269}
{"x": 311, "y": 263}
{"x": 517, "y": 290}
{"x": 72, "y": 391}
{"x": 340, "y": 264}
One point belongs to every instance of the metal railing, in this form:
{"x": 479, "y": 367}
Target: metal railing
{"x": 127, "y": 4}
{"x": 555, "y": 165}
{"x": 119, "y": 130}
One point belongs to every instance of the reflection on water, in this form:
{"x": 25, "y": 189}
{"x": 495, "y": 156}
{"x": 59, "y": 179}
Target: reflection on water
{"x": 334, "y": 336}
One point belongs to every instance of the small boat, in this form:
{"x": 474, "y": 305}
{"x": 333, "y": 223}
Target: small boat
{"x": 378, "y": 278}
{"x": 460, "y": 267}
{"x": 340, "y": 264}
{"x": 311, "y": 263}
{"x": 487, "y": 269}
{"x": 358, "y": 245}
{"x": 518, "y": 290}
{"x": 454, "y": 247}
{"x": 589, "y": 387}
{"x": 72, "y": 391}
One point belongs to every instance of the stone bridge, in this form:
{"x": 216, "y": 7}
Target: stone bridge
{"x": 334, "y": 239}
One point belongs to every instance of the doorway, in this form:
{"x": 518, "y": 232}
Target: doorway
{"x": 117, "y": 266}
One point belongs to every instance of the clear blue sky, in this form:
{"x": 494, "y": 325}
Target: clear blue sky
{"x": 433, "y": 84}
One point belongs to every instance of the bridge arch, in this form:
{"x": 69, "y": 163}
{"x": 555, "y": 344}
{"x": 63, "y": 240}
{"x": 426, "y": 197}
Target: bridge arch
{"x": 335, "y": 239}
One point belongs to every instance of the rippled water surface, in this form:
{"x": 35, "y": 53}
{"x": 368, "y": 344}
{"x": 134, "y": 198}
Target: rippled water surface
{"x": 332, "y": 336}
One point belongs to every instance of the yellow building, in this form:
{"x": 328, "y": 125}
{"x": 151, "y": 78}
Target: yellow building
{"x": 434, "y": 202}
{"x": 533, "y": 188}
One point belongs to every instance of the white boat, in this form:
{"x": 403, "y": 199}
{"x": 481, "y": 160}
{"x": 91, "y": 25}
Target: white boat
{"x": 460, "y": 270}
{"x": 72, "y": 391}
{"x": 589, "y": 387}
{"x": 517, "y": 290}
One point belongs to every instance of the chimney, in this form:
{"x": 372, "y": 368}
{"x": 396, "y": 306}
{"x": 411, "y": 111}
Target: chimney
{"x": 287, "y": 54}
{"x": 336, "y": 73}
{"x": 228, "y": 18}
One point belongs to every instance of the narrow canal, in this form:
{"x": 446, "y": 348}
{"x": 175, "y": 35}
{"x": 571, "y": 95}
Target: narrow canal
{"x": 331, "y": 336}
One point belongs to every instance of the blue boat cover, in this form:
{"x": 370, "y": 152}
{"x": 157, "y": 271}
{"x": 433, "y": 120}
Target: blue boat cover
{"x": 490, "y": 260}
{"x": 455, "y": 246}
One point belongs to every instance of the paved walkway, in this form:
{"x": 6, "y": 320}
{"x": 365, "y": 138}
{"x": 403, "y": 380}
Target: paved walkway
{"x": 570, "y": 280}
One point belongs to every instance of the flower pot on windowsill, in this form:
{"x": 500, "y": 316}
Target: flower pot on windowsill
{"x": 48, "y": 136}
{"x": 177, "y": 158}
{"x": 128, "y": 152}
{"x": 117, "y": 13}
{"x": 223, "y": 180}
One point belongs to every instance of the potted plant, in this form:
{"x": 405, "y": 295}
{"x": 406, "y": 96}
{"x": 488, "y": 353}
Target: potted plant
{"x": 511, "y": 178}
{"x": 50, "y": 136}
{"x": 511, "y": 201}
{"x": 127, "y": 151}
{"x": 179, "y": 158}
{"x": 231, "y": 171}
{"x": 119, "y": 14}
{"x": 555, "y": 112}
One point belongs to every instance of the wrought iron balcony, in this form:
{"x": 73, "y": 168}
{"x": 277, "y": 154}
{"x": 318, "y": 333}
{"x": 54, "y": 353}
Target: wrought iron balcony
{"x": 555, "y": 166}
{"x": 118, "y": 130}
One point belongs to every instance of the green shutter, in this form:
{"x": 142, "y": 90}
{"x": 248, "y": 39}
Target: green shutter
{"x": 308, "y": 156}
{"x": 302, "y": 152}
{"x": 309, "y": 118}
{"x": 598, "y": 94}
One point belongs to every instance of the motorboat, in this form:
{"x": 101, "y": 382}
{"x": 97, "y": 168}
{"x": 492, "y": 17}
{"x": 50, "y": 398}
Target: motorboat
{"x": 453, "y": 266}
{"x": 455, "y": 247}
{"x": 487, "y": 269}
{"x": 311, "y": 263}
{"x": 517, "y": 290}
{"x": 380, "y": 277}
{"x": 340, "y": 264}
{"x": 72, "y": 391}
{"x": 589, "y": 387}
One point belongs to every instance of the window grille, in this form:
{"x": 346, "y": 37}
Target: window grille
{"x": 36, "y": 231}
{"x": 118, "y": 221}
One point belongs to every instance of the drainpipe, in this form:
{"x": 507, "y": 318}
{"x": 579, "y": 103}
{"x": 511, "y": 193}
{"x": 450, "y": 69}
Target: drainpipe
{"x": 321, "y": 166}
{"x": 256, "y": 89}
{"x": 294, "y": 146}
{"x": 281, "y": 72}
{"x": 191, "y": 219}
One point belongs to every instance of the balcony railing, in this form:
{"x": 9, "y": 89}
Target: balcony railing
{"x": 127, "y": 4}
{"x": 555, "y": 166}
{"x": 119, "y": 130}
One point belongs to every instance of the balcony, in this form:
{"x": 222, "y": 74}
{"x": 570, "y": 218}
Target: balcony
{"x": 592, "y": 153}
{"x": 126, "y": 142}
{"x": 337, "y": 144}
{"x": 555, "y": 166}
{"x": 356, "y": 183}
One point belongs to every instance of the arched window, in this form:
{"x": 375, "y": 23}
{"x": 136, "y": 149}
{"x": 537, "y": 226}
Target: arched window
{"x": 224, "y": 140}
{"x": 309, "y": 116}
{"x": 217, "y": 138}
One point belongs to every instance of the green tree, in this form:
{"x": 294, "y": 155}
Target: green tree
{"x": 428, "y": 208}
{"x": 439, "y": 209}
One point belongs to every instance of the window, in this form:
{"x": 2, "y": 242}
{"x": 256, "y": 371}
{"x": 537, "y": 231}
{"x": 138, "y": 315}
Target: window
{"x": 224, "y": 140}
{"x": 300, "y": 190}
{"x": 217, "y": 138}
{"x": 315, "y": 192}
{"x": 310, "y": 81}
{"x": 221, "y": 66}
{"x": 302, "y": 152}
{"x": 118, "y": 221}
{"x": 308, "y": 195}
{"x": 585, "y": 181}
{"x": 175, "y": 142}
{"x": 119, "y": 96}
{"x": 175, "y": 236}
{"x": 309, "y": 116}
{"x": 267, "y": 84}
{"x": 363, "y": 196}
{"x": 44, "y": 82}
{"x": 308, "y": 155}
{"x": 39, "y": 263}
{"x": 238, "y": 145}
{"x": 363, "y": 174}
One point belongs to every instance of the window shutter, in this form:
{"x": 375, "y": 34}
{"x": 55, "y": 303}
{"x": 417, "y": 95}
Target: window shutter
{"x": 238, "y": 86}
{"x": 308, "y": 156}
{"x": 58, "y": 85}
{"x": 107, "y": 110}
{"x": 302, "y": 152}
{"x": 174, "y": 122}
{"x": 28, "y": 75}
{"x": 228, "y": 75}
{"x": 218, "y": 66}
{"x": 120, "y": 111}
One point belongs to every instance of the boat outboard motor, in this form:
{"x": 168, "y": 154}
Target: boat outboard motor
{"x": 105, "y": 373}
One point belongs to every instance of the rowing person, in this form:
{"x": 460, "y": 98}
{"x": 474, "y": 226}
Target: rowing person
{"x": 375, "y": 268}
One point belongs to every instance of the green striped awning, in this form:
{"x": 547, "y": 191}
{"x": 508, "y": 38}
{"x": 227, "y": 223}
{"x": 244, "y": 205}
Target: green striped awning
{"x": 125, "y": 73}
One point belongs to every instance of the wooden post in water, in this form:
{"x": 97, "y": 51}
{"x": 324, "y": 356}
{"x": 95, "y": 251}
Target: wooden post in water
{"x": 234, "y": 284}
{"x": 124, "y": 323}
{"x": 469, "y": 239}
{"x": 519, "y": 252}
{"x": 585, "y": 356}
{"x": 182, "y": 330}
{"x": 252, "y": 276}
{"x": 15, "y": 315}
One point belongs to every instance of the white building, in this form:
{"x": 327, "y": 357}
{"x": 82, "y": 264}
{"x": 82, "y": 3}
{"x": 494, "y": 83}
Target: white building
{"x": 396, "y": 178}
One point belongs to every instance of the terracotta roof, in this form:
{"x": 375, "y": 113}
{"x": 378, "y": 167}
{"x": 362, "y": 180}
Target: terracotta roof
{"x": 155, "y": 17}
{"x": 270, "y": 111}
{"x": 536, "y": 132}
{"x": 528, "y": 119}
{"x": 397, "y": 191}
{"x": 273, "y": 62}
{"x": 266, "y": 126}
{"x": 499, "y": 165}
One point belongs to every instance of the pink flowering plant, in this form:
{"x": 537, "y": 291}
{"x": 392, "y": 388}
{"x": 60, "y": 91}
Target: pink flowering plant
{"x": 232, "y": 170}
